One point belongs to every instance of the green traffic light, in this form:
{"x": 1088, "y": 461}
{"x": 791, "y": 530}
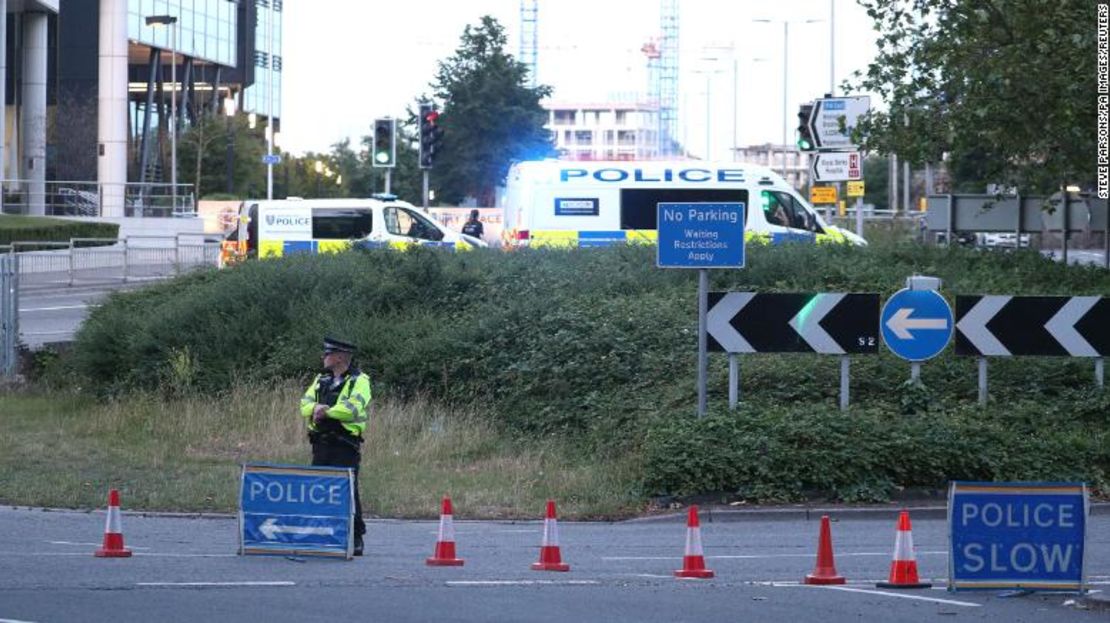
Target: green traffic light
{"x": 803, "y": 144}
{"x": 382, "y": 157}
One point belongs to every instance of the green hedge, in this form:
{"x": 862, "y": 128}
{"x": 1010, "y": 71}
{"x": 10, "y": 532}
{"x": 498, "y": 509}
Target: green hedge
{"x": 787, "y": 452}
{"x": 14, "y": 228}
{"x": 599, "y": 345}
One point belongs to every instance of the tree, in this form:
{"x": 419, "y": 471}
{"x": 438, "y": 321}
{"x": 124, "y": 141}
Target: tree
{"x": 490, "y": 117}
{"x": 203, "y": 153}
{"x": 1004, "y": 87}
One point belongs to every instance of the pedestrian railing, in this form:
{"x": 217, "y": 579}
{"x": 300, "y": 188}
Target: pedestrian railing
{"x": 94, "y": 199}
{"x": 93, "y": 261}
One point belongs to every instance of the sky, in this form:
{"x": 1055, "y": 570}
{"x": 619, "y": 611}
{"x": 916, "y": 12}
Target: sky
{"x": 347, "y": 62}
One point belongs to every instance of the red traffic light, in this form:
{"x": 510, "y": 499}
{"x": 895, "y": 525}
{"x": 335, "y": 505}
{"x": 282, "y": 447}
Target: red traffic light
{"x": 431, "y": 116}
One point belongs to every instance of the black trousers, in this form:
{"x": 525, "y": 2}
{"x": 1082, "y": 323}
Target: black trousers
{"x": 336, "y": 453}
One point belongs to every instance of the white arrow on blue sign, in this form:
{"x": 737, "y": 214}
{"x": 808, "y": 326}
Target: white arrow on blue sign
{"x": 271, "y": 158}
{"x": 916, "y": 324}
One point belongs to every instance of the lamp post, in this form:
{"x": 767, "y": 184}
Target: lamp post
{"x": 229, "y": 112}
{"x": 785, "y": 74}
{"x": 319, "y": 166}
{"x": 708, "y": 103}
{"x": 171, "y": 21}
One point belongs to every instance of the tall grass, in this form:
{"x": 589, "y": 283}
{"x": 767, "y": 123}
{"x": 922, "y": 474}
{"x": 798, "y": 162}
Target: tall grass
{"x": 183, "y": 453}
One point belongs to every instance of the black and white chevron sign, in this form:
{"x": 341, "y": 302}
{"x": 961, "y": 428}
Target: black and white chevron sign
{"x": 1002, "y": 326}
{"x": 827, "y": 323}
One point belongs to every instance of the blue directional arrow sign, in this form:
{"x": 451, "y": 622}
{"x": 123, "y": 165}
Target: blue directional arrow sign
{"x": 290, "y": 509}
{"x": 274, "y": 159}
{"x": 916, "y": 324}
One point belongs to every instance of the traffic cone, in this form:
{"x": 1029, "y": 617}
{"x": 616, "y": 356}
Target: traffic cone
{"x": 113, "y": 534}
{"x": 903, "y": 569}
{"x": 550, "y": 557}
{"x": 825, "y": 571}
{"x": 693, "y": 563}
{"x": 445, "y": 545}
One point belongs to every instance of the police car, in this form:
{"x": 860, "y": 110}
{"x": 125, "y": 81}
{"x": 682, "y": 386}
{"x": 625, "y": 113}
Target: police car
{"x": 273, "y": 228}
{"x": 559, "y": 203}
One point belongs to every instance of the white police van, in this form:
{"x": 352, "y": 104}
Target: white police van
{"x": 560, "y": 203}
{"x": 272, "y": 228}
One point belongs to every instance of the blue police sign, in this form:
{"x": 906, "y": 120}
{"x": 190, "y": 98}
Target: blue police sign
{"x": 1017, "y": 535}
{"x": 916, "y": 324}
{"x": 700, "y": 235}
{"x": 289, "y": 509}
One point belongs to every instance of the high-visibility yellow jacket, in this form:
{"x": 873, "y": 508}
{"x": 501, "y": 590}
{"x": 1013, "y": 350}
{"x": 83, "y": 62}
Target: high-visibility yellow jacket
{"x": 348, "y": 412}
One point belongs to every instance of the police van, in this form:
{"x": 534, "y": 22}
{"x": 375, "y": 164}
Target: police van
{"x": 585, "y": 204}
{"x": 279, "y": 227}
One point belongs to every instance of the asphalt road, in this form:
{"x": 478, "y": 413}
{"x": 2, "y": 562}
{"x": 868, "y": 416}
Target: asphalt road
{"x": 185, "y": 569}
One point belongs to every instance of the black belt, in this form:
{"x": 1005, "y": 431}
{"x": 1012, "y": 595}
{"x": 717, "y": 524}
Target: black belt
{"x": 334, "y": 438}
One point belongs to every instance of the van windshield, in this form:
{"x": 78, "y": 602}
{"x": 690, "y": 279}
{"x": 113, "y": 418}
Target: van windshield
{"x": 406, "y": 222}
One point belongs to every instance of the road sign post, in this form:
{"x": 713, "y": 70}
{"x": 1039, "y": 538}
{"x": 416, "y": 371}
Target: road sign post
{"x": 296, "y": 510}
{"x": 702, "y": 236}
{"x": 1026, "y": 536}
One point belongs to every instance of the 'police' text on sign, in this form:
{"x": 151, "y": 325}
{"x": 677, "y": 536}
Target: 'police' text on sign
{"x": 1017, "y": 535}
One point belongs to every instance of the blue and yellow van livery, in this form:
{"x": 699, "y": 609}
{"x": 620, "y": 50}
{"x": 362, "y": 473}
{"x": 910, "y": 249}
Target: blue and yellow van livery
{"x": 590, "y": 204}
{"x": 290, "y": 226}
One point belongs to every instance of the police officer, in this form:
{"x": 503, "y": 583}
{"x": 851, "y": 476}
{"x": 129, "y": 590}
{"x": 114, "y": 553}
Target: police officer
{"x": 474, "y": 227}
{"x": 335, "y": 408}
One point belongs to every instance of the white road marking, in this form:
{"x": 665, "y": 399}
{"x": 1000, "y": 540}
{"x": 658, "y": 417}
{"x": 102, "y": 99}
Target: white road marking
{"x": 90, "y": 544}
{"x": 147, "y": 554}
{"x": 212, "y": 584}
{"x": 762, "y": 556}
{"x": 951, "y": 602}
{"x": 24, "y": 310}
{"x": 14, "y": 621}
{"x": 522, "y": 582}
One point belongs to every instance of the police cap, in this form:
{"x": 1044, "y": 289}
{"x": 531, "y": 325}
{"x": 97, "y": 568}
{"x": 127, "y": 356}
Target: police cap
{"x": 332, "y": 345}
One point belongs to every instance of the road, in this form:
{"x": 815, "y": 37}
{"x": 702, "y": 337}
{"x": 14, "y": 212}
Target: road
{"x": 54, "y": 314}
{"x": 185, "y": 569}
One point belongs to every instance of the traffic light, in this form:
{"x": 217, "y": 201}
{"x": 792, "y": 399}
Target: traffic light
{"x": 430, "y": 134}
{"x": 385, "y": 144}
{"x": 805, "y": 136}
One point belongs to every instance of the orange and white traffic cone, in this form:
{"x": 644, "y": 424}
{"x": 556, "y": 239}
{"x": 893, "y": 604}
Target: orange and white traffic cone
{"x": 825, "y": 571}
{"x": 550, "y": 557}
{"x": 445, "y": 545}
{"x": 113, "y": 533}
{"x": 693, "y": 563}
{"x": 903, "y": 569}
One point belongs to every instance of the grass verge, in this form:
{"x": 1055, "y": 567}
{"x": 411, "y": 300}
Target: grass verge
{"x": 184, "y": 453}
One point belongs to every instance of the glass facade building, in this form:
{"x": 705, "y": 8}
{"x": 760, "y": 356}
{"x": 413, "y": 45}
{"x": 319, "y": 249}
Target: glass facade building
{"x": 267, "y": 56}
{"x": 207, "y": 29}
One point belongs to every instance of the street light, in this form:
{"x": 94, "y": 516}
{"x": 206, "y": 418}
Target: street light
{"x": 171, "y": 21}
{"x": 229, "y": 112}
{"x": 708, "y": 103}
{"x": 734, "y": 55}
{"x": 785, "y": 75}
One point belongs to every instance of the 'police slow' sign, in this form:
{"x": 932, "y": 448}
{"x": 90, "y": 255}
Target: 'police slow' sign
{"x": 1017, "y": 535}
{"x": 289, "y": 509}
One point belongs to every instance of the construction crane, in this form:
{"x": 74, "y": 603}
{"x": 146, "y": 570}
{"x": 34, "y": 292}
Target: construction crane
{"x": 529, "y": 37}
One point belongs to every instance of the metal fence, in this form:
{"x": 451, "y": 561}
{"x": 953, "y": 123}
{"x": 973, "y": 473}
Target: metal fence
{"x": 75, "y": 198}
{"x": 94, "y": 261}
{"x": 9, "y": 314}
